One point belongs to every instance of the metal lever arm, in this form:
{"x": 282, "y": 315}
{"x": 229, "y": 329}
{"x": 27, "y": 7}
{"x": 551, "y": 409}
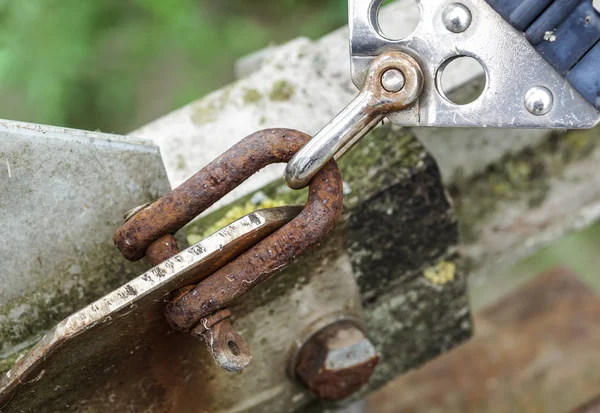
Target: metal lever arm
{"x": 393, "y": 83}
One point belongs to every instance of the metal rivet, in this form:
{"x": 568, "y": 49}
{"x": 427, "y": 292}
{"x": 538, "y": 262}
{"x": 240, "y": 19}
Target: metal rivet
{"x": 539, "y": 100}
{"x": 550, "y": 36}
{"x": 457, "y": 17}
{"x": 393, "y": 80}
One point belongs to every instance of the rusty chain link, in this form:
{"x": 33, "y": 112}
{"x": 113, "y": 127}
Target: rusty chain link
{"x": 149, "y": 232}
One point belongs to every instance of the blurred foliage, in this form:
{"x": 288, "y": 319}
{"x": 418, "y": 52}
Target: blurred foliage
{"x": 116, "y": 64}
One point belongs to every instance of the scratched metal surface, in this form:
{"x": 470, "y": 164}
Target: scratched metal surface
{"x": 119, "y": 353}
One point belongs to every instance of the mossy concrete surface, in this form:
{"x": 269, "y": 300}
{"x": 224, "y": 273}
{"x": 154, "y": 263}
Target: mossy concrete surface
{"x": 401, "y": 226}
{"x": 527, "y": 199}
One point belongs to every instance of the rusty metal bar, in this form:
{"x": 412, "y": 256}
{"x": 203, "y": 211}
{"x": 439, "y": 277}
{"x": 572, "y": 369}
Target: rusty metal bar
{"x": 317, "y": 219}
{"x": 149, "y": 231}
{"x": 162, "y": 249}
{"x": 227, "y": 346}
{"x": 184, "y": 203}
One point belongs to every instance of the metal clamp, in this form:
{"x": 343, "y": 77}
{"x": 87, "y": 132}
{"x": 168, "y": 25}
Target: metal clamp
{"x": 149, "y": 232}
{"x": 309, "y": 228}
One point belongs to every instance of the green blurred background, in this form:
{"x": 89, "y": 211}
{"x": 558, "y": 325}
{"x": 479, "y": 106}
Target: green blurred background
{"x": 114, "y": 65}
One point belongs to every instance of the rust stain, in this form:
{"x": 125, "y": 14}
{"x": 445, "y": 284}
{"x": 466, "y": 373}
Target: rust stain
{"x": 162, "y": 249}
{"x": 218, "y": 333}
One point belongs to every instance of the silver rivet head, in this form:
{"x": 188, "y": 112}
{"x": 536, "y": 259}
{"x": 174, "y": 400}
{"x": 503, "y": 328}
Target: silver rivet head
{"x": 457, "y": 17}
{"x": 539, "y": 101}
{"x": 393, "y": 80}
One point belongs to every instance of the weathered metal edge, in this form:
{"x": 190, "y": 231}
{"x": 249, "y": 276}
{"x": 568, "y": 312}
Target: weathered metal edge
{"x": 56, "y": 132}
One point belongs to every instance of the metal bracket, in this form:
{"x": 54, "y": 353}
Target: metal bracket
{"x": 119, "y": 351}
{"x": 514, "y": 70}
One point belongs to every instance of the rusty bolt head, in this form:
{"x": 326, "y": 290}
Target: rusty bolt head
{"x": 337, "y": 361}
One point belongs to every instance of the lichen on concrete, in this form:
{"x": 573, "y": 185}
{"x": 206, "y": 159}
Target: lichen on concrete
{"x": 383, "y": 156}
{"x": 417, "y": 323}
{"x": 402, "y": 227}
{"x": 204, "y": 113}
{"x": 282, "y": 91}
{"x": 180, "y": 162}
{"x": 208, "y": 110}
{"x": 441, "y": 273}
{"x": 252, "y": 96}
{"x": 525, "y": 175}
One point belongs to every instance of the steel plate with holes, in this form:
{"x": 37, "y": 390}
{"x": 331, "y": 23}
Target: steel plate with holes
{"x": 511, "y": 64}
{"x": 118, "y": 354}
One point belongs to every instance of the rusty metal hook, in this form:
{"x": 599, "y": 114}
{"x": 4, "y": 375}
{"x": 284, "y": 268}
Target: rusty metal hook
{"x": 259, "y": 263}
{"x": 142, "y": 233}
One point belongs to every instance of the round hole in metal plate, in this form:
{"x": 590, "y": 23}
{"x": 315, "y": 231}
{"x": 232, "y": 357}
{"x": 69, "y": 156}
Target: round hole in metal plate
{"x": 596, "y": 4}
{"x": 397, "y": 19}
{"x": 461, "y": 80}
{"x": 234, "y": 348}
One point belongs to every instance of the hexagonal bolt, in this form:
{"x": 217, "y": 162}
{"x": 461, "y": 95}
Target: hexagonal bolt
{"x": 337, "y": 361}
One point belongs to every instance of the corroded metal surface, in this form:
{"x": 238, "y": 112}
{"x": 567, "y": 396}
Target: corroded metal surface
{"x": 313, "y": 288}
{"x": 162, "y": 249}
{"x": 337, "y": 361}
{"x": 227, "y": 347}
{"x": 397, "y": 199}
{"x": 119, "y": 354}
{"x": 184, "y": 203}
{"x": 317, "y": 219}
{"x": 535, "y": 350}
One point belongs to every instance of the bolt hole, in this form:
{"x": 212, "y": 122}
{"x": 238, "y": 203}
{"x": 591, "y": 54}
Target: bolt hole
{"x": 453, "y": 75}
{"x": 396, "y": 20}
{"x": 234, "y": 348}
